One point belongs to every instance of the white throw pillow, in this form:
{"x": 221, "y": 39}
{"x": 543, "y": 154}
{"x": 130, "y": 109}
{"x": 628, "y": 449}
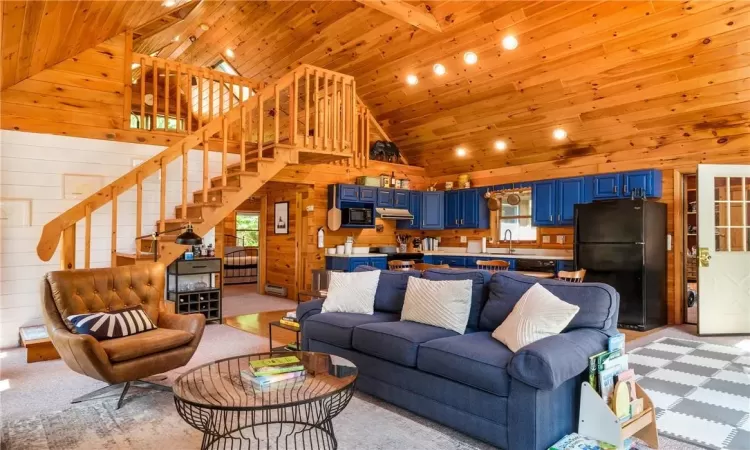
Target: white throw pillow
{"x": 538, "y": 314}
{"x": 352, "y": 292}
{"x": 443, "y": 303}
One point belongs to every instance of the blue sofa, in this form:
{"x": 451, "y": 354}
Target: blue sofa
{"x": 471, "y": 382}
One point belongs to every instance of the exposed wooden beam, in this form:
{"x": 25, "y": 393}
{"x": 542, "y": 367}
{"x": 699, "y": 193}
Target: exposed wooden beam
{"x": 406, "y": 12}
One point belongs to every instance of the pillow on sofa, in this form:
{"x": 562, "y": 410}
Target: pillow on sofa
{"x": 479, "y": 290}
{"x": 352, "y": 292}
{"x": 444, "y": 304}
{"x": 538, "y": 314}
{"x": 391, "y": 288}
{"x": 112, "y": 324}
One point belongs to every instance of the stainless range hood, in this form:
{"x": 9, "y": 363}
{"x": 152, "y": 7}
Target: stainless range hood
{"x": 394, "y": 214}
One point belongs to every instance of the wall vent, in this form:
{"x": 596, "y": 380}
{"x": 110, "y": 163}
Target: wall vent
{"x": 274, "y": 289}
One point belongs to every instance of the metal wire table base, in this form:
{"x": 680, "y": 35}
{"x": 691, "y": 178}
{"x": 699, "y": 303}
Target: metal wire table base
{"x": 300, "y": 426}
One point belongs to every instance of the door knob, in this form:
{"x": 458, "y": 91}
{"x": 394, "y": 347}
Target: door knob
{"x": 703, "y": 256}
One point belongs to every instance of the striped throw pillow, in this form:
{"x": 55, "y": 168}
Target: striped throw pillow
{"x": 113, "y": 324}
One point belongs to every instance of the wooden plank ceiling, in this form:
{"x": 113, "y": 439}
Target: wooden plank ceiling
{"x": 615, "y": 75}
{"x": 37, "y": 34}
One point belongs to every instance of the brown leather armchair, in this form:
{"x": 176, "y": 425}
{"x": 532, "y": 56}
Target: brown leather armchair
{"x": 120, "y": 361}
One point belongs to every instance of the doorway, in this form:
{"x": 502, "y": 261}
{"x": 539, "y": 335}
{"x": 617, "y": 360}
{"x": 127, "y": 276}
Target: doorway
{"x": 690, "y": 248}
{"x": 242, "y": 251}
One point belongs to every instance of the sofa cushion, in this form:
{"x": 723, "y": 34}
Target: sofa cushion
{"x": 475, "y": 359}
{"x": 336, "y": 328}
{"x": 396, "y": 341}
{"x": 392, "y": 288}
{"x": 352, "y": 292}
{"x": 144, "y": 344}
{"x": 598, "y": 302}
{"x": 480, "y": 287}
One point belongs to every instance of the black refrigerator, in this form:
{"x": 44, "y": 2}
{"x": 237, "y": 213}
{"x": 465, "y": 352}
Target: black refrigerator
{"x": 623, "y": 243}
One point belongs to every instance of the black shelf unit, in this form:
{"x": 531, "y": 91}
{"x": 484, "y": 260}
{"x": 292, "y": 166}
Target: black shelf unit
{"x": 207, "y": 300}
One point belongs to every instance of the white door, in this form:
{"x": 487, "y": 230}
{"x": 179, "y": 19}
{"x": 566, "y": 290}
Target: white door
{"x": 723, "y": 249}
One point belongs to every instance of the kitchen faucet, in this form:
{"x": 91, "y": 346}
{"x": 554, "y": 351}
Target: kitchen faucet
{"x": 510, "y": 241}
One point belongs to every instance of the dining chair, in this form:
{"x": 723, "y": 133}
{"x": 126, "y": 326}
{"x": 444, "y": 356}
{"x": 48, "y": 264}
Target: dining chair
{"x": 573, "y": 277}
{"x": 425, "y": 266}
{"x": 493, "y": 266}
{"x": 400, "y": 265}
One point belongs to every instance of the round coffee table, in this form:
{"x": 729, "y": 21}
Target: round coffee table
{"x": 234, "y": 414}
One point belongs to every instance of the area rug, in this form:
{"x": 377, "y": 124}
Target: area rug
{"x": 150, "y": 421}
{"x": 701, "y": 391}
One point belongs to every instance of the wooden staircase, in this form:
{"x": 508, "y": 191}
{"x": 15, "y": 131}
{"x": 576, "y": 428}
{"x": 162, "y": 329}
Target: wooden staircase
{"x": 320, "y": 124}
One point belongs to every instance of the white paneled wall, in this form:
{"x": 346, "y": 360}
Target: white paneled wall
{"x": 32, "y": 167}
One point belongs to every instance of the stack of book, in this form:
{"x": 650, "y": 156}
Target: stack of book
{"x": 610, "y": 376}
{"x": 290, "y": 320}
{"x": 265, "y": 372}
{"x": 575, "y": 441}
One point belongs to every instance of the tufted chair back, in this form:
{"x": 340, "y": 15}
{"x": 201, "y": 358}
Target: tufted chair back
{"x": 95, "y": 290}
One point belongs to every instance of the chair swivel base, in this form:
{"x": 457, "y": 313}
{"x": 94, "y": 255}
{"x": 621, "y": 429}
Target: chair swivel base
{"x": 100, "y": 393}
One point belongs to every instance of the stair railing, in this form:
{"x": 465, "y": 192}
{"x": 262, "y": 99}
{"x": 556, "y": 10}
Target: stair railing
{"x": 329, "y": 107}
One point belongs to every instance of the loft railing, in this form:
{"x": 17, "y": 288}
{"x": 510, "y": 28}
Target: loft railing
{"x": 321, "y": 116}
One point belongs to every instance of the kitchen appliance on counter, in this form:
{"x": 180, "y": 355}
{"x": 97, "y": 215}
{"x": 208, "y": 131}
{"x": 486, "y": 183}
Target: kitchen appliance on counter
{"x": 356, "y": 216}
{"x": 623, "y": 243}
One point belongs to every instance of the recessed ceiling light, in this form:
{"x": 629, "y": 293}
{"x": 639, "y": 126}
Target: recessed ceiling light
{"x": 204, "y": 26}
{"x": 470, "y": 58}
{"x": 559, "y": 134}
{"x": 510, "y": 42}
{"x": 500, "y": 145}
{"x": 412, "y": 79}
{"x": 439, "y": 69}
{"x": 460, "y": 151}
{"x": 176, "y": 38}
{"x": 169, "y": 3}
{"x": 230, "y": 53}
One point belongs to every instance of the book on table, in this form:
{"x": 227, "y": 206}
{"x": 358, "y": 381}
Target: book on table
{"x": 268, "y": 380}
{"x": 275, "y": 366}
{"x": 289, "y": 323}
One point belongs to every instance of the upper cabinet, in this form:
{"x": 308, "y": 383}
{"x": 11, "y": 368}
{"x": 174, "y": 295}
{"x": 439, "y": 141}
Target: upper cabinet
{"x": 415, "y": 208}
{"x": 348, "y": 192}
{"x": 466, "y": 208}
{"x": 452, "y": 209}
{"x": 432, "y": 210}
{"x": 622, "y": 185}
{"x": 570, "y": 191}
{"x": 385, "y": 198}
{"x": 543, "y": 203}
{"x": 368, "y": 194}
{"x": 401, "y": 199}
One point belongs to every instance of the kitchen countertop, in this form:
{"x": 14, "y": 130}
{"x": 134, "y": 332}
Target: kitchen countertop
{"x": 503, "y": 255}
{"x": 360, "y": 255}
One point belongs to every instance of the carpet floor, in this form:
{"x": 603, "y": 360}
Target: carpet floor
{"x": 244, "y": 299}
{"x": 34, "y": 402}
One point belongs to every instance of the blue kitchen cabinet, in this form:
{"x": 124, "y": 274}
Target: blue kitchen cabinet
{"x": 543, "y": 203}
{"x": 401, "y": 199}
{"x": 469, "y": 206}
{"x": 368, "y": 194}
{"x": 385, "y": 198}
{"x": 454, "y": 261}
{"x": 348, "y": 192}
{"x": 351, "y": 263}
{"x": 606, "y": 186}
{"x": 570, "y": 191}
{"x": 432, "y": 214}
{"x": 502, "y": 187}
{"x": 648, "y": 181}
{"x": 452, "y": 209}
{"x": 415, "y": 208}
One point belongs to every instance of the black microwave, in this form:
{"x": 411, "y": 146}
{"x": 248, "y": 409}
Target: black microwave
{"x": 356, "y": 216}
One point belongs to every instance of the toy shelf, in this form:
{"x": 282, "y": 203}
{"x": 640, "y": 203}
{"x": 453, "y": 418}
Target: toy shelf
{"x": 597, "y": 421}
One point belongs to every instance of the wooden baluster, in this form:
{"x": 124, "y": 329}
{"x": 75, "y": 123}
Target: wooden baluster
{"x": 230, "y": 91}
{"x": 128, "y": 80}
{"x": 166, "y": 96}
{"x": 366, "y": 139}
{"x": 114, "y": 226}
{"x": 184, "y": 180}
{"x": 353, "y": 113}
{"x": 277, "y": 114}
{"x": 225, "y": 137}
{"x": 155, "y": 82}
{"x": 221, "y": 95}
{"x": 342, "y": 112}
{"x": 335, "y": 111}
{"x": 87, "y": 238}
{"x": 200, "y": 101}
{"x": 138, "y": 210}
{"x": 307, "y": 107}
{"x": 142, "y": 124}
{"x": 178, "y": 81}
{"x": 243, "y": 136}
{"x": 68, "y": 249}
{"x": 206, "y": 181}
{"x": 325, "y": 111}
{"x": 163, "y": 196}
{"x": 211, "y": 97}
{"x": 260, "y": 125}
{"x": 293, "y": 109}
{"x": 317, "y": 110}
{"x": 189, "y": 101}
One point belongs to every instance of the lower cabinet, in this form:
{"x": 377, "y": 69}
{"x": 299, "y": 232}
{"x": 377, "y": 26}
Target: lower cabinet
{"x": 349, "y": 264}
